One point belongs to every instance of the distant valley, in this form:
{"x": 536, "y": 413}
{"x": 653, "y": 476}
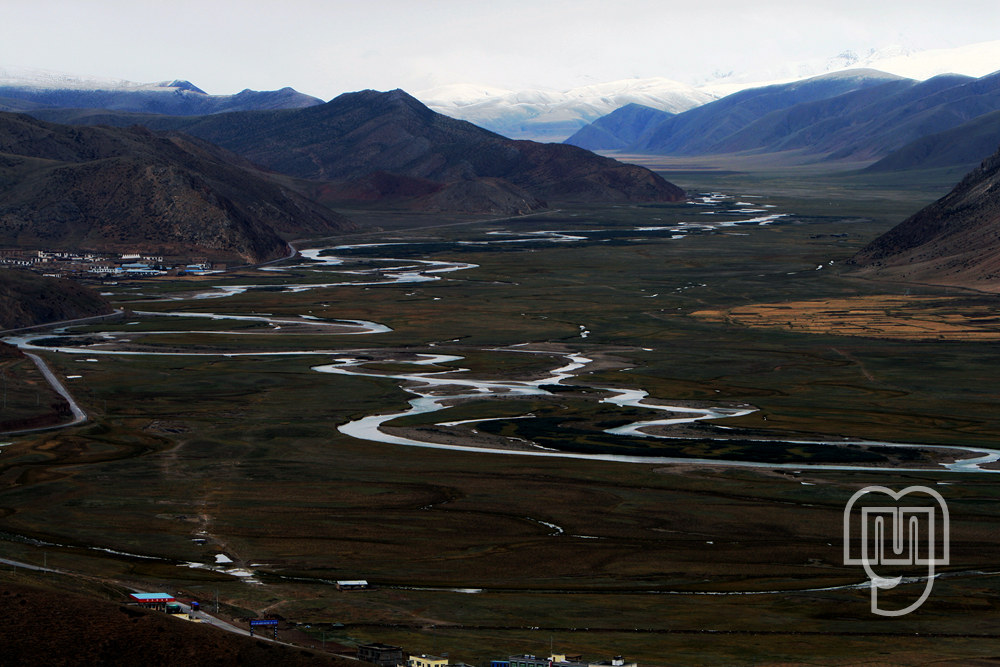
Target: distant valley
{"x": 453, "y": 387}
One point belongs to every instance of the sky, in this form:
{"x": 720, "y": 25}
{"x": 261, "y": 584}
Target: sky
{"x": 327, "y": 47}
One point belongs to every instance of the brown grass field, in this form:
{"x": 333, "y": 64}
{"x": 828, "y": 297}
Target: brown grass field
{"x": 877, "y": 316}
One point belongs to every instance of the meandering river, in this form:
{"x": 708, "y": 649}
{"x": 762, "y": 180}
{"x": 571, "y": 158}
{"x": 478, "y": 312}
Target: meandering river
{"x": 437, "y": 391}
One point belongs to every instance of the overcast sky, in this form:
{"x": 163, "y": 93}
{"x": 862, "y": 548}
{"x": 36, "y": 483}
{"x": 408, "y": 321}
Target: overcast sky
{"x": 326, "y": 47}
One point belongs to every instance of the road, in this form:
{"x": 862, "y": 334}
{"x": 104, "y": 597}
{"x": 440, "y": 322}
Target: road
{"x": 79, "y": 416}
{"x": 202, "y": 615}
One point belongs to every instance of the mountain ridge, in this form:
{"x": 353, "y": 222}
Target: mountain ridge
{"x": 859, "y": 116}
{"x": 104, "y": 189}
{"x": 953, "y": 241}
{"x": 23, "y": 90}
{"x": 358, "y": 134}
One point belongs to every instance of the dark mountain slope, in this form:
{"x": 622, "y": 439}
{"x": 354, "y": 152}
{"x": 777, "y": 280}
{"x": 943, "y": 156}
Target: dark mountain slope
{"x": 964, "y": 146}
{"x": 873, "y": 118}
{"x": 954, "y": 241}
{"x": 27, "y": 299}
{"x": 619, "y": 129}
{"x": 127, "y": 189}
{"x": 699, "y": 130}
{"x": 358, "y": 134}
{"x": 859, "y": 124}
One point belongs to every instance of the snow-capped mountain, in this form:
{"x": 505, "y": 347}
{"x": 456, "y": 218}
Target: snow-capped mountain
{"x": 40, "y": 79}
{"x": 550, "y": 115}
{"x": 975, "y": 60}
{"x": 28, "y": 89}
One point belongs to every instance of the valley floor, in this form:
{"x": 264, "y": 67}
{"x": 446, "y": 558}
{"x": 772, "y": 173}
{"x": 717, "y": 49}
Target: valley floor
{"x": 644, "y": 355}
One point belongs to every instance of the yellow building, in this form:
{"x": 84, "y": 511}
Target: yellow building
{"x": 426, "y": 661}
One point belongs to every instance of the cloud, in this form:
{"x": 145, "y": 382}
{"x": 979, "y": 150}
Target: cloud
{"x": 327, "y": 47}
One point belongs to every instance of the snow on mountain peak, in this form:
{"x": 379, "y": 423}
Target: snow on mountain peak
{"x": 51, "y": 80}
{"x": 553, "y": 115}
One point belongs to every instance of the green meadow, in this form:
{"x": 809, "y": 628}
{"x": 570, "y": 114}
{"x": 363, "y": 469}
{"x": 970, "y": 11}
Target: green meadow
{"x": 222, "y": 446}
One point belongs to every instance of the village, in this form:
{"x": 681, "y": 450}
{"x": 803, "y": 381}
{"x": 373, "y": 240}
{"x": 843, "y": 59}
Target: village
{"x": 104, "y": 266}
{"x": 382, "y": 655}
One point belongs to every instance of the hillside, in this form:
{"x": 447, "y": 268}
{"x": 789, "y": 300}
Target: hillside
{"x": 27, "y": 299}
{"x": 619, "y": 129}
{"x": 859, "y": 116}
{"x": 964, "y": 146}
{"x": 954, "y": 241}
{"x": 80, "y": 630}
{"x": 703, "y": 130}
{"x": 360, "y": 134}
{"x": 109, "y": 189}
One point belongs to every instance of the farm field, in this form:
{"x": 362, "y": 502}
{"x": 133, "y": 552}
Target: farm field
{"x": 267, "y": 416}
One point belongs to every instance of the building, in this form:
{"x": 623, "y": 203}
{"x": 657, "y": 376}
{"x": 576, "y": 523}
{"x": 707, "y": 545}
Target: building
{"x": 152, "y": 600}
{"x": 616, "y": 661}
{"x": 565, "y": 660}
{"x": 557, "y": 660}
{"x": 383, "y": 655}
{"x": 424, "y": 660}
{"x": 520, "y": 661}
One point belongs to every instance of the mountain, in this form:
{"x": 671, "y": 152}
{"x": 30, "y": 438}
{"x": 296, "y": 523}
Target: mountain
{"x": 358, "y": 135}
{"x": 869, "y": 123}
{"x": 106, "y": 189}
{"x": 963, "y": 147}
{"x": 973, "y": 60}
{"x": 705, "y": 129}
{"x": 856, "y": 116}
{"x": 619, "y": 129}
{"x": 954, "y": 241}
{"x": 551, "y": 115}
{"x": 554, "y": 115}
{"x": 24, "y": 90}
{"x": 27, "y": 299}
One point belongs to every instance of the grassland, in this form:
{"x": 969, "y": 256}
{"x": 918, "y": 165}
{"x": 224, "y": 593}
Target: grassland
{"x": 189, "y": 456}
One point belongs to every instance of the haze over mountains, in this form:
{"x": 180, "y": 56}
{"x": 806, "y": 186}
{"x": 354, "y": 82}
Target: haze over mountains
{"x": 391, "y": 149}
{"x": 554, "y": 115}
{"x": 548, "y": 115}
{"x": 24, "y": 90}
{"x": 540, "y": 114}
